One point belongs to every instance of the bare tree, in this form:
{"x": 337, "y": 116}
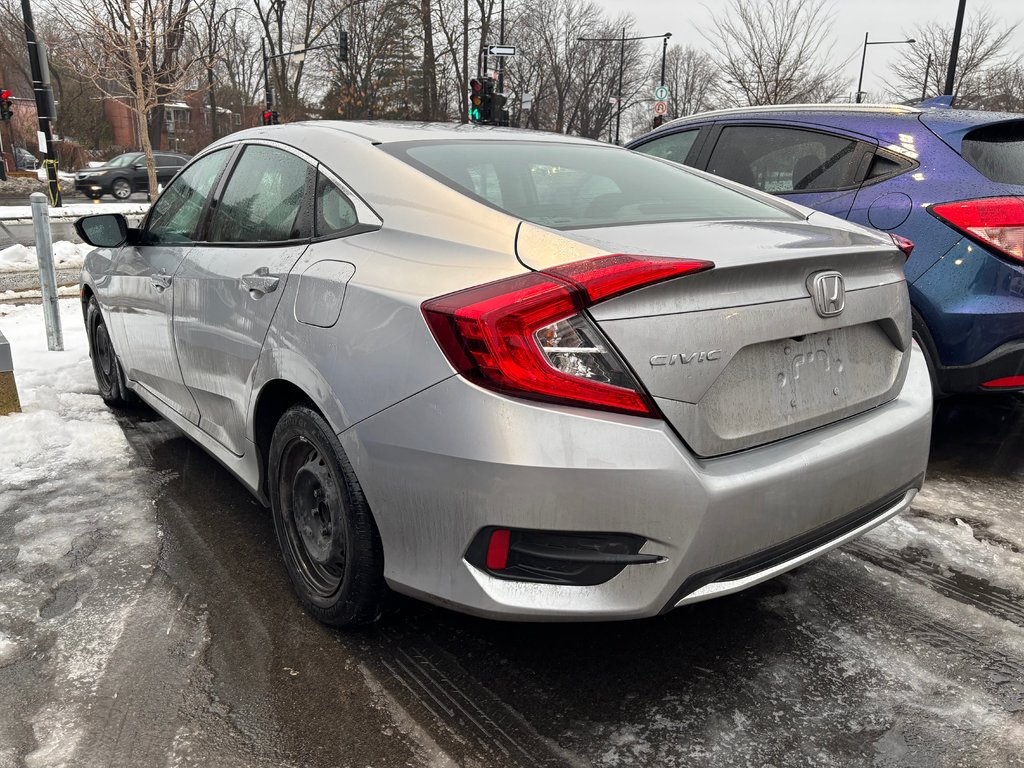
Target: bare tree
{"x": 693, "y": 79}
{"x": 983, "y": 49}
{"x": 776, "y": 51}
{"x": 130, "y": 50}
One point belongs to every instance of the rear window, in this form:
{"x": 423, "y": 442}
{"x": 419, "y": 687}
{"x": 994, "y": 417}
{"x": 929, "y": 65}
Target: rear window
{"x": 997, "y": 151}
{"x": 571, "y": 186}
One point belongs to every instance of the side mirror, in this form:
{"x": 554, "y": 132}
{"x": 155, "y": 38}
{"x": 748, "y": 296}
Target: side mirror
{"x": 108, "y": 230}
{"x": 139, "y": 166}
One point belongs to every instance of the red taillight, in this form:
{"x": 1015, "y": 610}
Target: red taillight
{"x": 1008, "y": 382}
{"x": 497, "y": 549}
{"x": 995, "y": 221}
{"x": 528, "y": 336}
{"x": 903, "y": 244}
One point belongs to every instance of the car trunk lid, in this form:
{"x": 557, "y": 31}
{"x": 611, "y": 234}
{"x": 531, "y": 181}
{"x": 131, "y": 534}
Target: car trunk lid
{"x": 739, "y": 356}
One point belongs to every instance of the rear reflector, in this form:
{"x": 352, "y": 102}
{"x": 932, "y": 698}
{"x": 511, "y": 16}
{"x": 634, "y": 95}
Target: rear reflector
{"x": 497, "y": 549}
{"x": 1008, "y": 382}
{"x": 995, "y": 221}
{"x": 529, "y": 336}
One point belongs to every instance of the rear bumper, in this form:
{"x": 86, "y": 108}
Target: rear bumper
{"x": 441, "y": 465}
{"x": 1000, "y": 363}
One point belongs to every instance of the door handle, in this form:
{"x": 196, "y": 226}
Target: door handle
{"x": 160, "y": 282}
{"x": 259, "y": 283}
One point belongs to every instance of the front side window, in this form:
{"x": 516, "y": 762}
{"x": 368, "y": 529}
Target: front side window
{"x": 263, "y": 198}
{"x": 784, "y": 160}
{"x": 569, "y": 185}
{"x": 176, "y": 214}
{"x": 674, "y": 147}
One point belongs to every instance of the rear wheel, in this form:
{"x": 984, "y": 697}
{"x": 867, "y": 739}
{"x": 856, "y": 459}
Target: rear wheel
{"x": 121, "y": 189}
{"x": 328, "y": 538}
{"x": 105, "y": 365}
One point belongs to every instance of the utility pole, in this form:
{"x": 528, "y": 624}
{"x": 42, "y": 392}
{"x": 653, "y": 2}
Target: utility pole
{"x": 618, "y": 103}
{"x": 924, "y": 86}
{"x": 955, "y": 51}
{"x": 44, "y": 101}
{"x": 864, "y": 55}
{"x": 266, "y": 75}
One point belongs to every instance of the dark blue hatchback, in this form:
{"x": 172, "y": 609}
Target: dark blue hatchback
{"x": 952, "y": 181}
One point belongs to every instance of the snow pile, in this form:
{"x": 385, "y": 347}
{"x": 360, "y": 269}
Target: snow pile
{"x": 74, "y": 211}
{"x": 22, "y": 258}
{"x": 80, "y": 536}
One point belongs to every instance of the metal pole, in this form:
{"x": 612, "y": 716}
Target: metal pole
{"x": 924, "y": 86}
{"x": 47, "y": 275}
{"x": 42, "y": 103}
{"x": 266, "y": 75}
{"x": 955, "y": 50}
{"x": 863, "y": 56}
{"x": 622, "y": 65}
{"x": 664, "y": 50}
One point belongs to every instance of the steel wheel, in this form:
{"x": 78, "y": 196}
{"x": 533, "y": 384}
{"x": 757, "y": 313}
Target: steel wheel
{"x": 329, "y": 540}
{"x": 105, "y": 366}
{"x": 121, "y": 189}
{"x": 314, "y": 512}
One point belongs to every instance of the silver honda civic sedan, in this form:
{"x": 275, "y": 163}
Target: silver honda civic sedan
{"x": 520, "y": 375}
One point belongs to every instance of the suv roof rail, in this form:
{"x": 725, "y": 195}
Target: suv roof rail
{"x": 879, "y": 108}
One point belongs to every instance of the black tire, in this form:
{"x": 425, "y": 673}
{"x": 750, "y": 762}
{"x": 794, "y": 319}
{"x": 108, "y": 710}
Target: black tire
{"x": 121, "y": 189}
{"x": 105, "y": 365}
{"x": 94, "y": 195}
{"x": 328, "y": 538}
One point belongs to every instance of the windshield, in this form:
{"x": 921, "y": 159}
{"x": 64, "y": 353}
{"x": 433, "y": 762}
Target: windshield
{"x": 997, "y": 151}
{"x": 122, "y": 160}
{"x": 571, "y": 186}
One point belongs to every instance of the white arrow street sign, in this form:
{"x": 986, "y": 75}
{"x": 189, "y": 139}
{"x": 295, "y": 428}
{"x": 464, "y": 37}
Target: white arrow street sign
{"x": 501, "y": 50}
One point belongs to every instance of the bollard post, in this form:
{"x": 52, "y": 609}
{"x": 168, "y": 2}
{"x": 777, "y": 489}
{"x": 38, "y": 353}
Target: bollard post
{"x": 47, "y": 273}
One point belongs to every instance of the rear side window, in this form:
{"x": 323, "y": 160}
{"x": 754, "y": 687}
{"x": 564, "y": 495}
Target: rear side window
{"x": 997, "y": 151}
{"x": 785, "y": 160}
{"x": 569, "y": 186}
{"x": 334, "y": 212}
{"x": 263, "y": 198}
{"x": 674, "y": 147}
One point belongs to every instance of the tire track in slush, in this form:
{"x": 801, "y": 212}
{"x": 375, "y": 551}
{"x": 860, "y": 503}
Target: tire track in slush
{"x": 469, "y": 721}
{"x": 982, "y": 664}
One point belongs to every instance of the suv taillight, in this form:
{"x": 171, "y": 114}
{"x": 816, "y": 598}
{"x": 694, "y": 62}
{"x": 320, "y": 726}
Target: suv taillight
{"x": 529, "y": 336}
{"x": 994, "y": 221}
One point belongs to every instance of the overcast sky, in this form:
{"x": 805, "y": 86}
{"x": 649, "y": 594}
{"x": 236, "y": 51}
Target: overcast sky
{"x": 883, "y": 19}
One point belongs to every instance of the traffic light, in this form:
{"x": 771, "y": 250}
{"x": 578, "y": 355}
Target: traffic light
{"x": 498, "y": 114}
{"x": 658, "y": 120}
{"x": 476, "y": 89}
{"x": 6, "y": 111}
{"x": 271, "y": 117}
{"x": 343, "y": 46}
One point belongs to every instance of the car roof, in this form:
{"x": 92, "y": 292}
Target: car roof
{"x": 389, "y": 131}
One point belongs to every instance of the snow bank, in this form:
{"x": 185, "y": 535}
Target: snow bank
{"x": 78, "y": 512}
{"x": 74, "y": 211}
{"x": 22, "y": 258}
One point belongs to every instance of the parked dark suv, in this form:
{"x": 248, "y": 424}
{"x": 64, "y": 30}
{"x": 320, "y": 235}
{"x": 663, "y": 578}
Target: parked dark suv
{"x": 126, "y": 174}
{"x": 950, "y": 180}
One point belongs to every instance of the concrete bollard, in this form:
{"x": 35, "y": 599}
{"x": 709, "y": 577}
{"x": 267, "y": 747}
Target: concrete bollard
{"x": 9, "y": 402}
{"x": 47, "y": 272}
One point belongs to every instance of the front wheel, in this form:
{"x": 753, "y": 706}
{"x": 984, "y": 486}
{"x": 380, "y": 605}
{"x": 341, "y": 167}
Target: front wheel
{"x": 105, "y": 365}
{"x": 121, "y": 189}
{"x": 327, "y": 535}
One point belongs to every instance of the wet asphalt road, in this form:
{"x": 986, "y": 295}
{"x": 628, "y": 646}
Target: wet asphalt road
{"x": 886, "y": 653}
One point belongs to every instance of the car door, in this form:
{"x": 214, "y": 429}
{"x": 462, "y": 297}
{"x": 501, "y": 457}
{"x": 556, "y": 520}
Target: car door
{"x": 166, "y": 167}
{"x": 145, "y": 285}
{"x": 812, "y": 167}
{"x": 228, "y": 287}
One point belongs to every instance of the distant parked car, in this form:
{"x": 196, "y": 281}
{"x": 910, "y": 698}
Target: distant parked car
{"x": 126, "y": 174}
{"x": 24, "y": 160}
{"x": 949, "y": 180}
{"x": 522, "y": 375}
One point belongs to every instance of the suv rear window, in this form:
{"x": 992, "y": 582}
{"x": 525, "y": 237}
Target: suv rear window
{"x": 571, "y": 186}
{"x": 997, "y": 151}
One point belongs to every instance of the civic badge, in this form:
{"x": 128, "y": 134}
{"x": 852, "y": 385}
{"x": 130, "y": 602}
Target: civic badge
{"x": 827, "y": 292}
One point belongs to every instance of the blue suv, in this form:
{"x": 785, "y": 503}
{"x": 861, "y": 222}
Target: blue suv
{"x": 951, "y": 181}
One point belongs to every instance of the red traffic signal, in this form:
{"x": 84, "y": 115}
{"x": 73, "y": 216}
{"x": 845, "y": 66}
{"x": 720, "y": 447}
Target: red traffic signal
{"x": 268, "y": 116}
{"x": 6, "y": 113}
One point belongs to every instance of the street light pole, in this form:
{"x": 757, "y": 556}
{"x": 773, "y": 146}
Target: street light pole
{"x": 864, "y": 55}
{"x": 924, "y": 86}
{"x": 622, "y": 65}
{"x": 44, "y": 102}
